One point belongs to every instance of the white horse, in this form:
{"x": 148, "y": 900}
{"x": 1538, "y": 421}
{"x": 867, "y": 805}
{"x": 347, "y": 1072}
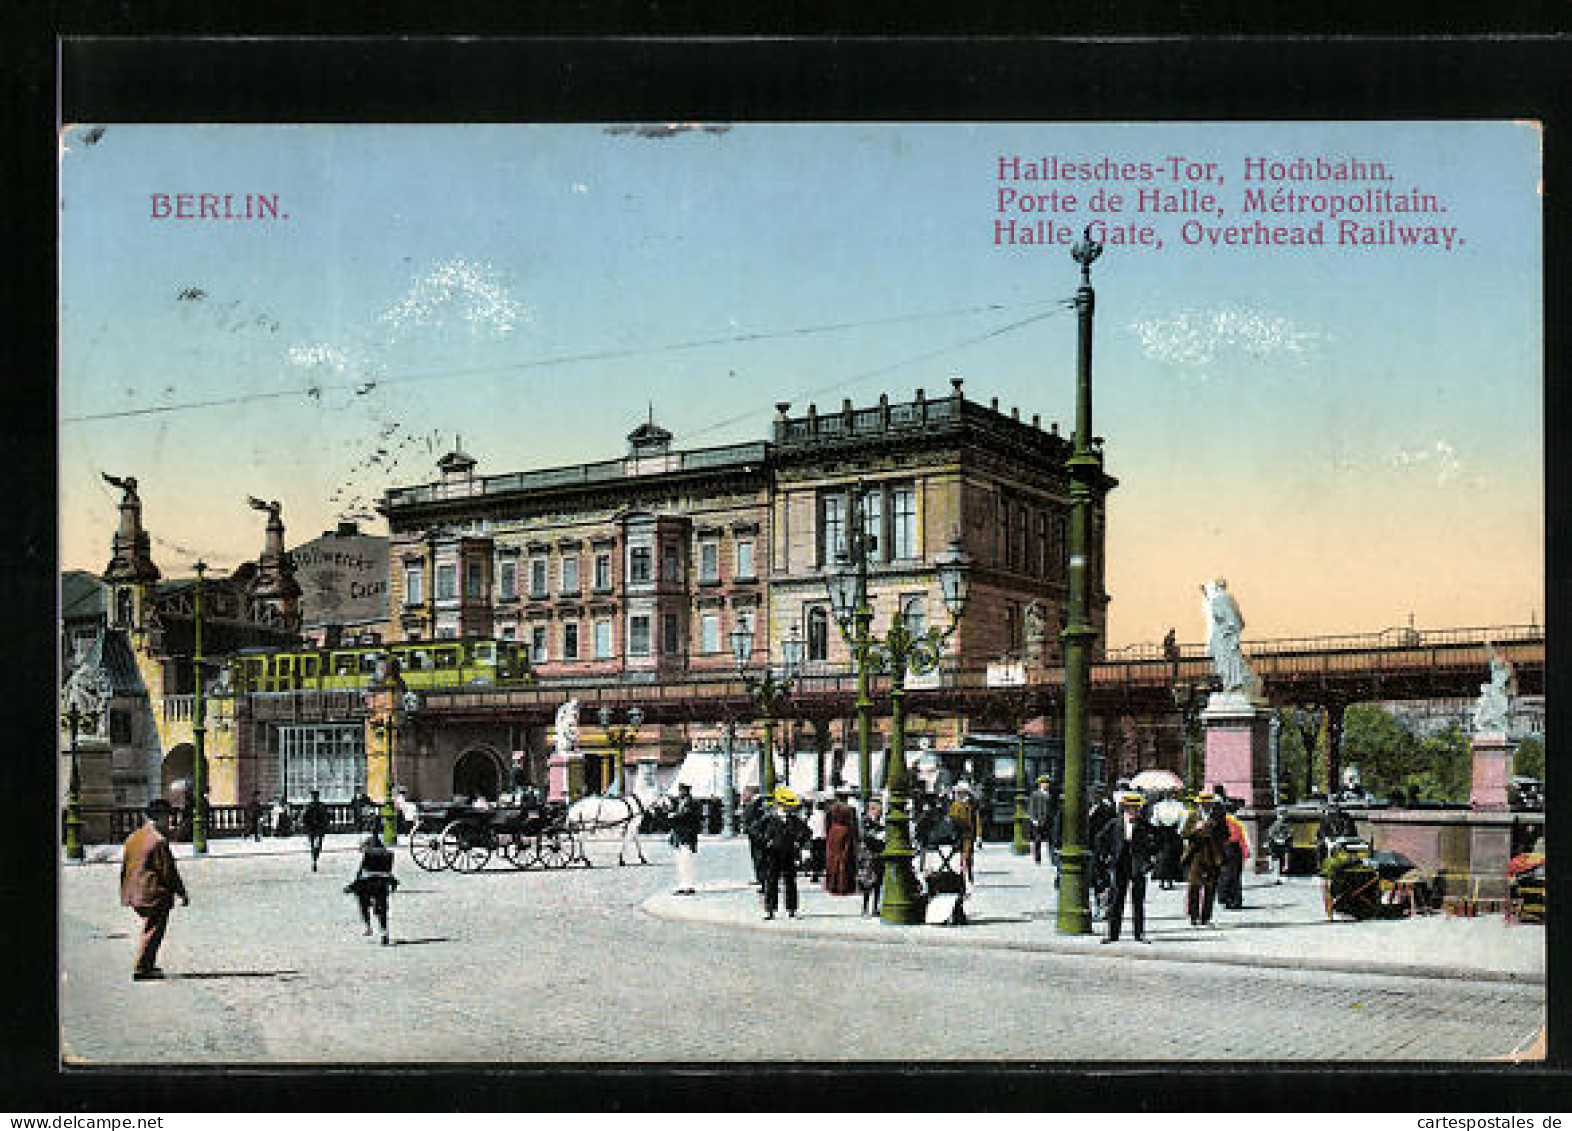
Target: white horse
{"x": 601, "y": 813}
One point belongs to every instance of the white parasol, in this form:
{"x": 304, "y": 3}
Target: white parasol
{"x": 1155, "y": 781}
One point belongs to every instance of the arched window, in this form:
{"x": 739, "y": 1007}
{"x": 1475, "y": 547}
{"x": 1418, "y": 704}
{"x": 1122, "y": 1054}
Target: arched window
{"x": 914, "y": 611}
{"x": 818, "y": 634}
{"x": 123, "y": 608}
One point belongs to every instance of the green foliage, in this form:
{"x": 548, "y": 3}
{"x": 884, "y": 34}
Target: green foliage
{"x": 1392, "y": 758}
{"x": 1529, "y": 761}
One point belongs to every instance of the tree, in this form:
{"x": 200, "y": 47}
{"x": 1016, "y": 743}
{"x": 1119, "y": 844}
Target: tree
{"x": 1387, "y": 753}
{"x": 1529, "y": 760}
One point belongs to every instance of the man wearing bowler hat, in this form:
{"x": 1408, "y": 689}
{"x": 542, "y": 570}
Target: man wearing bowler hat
{"x": 149, "y": 884}
{"x": 1127, "y": 845}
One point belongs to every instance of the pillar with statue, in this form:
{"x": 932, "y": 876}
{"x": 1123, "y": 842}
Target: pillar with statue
{"x": 1236, "y": 718}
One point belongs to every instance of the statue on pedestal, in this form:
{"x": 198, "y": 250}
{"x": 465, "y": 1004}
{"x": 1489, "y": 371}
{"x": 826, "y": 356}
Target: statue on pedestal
{"x": 1036, "y": 633}
{"x": 568, "y": 729}
{"x": 1224, "y": 628}
{"x": 1490, "y": 713}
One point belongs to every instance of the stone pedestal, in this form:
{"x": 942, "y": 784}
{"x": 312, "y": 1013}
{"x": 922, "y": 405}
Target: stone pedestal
{"x": 1239, "y": 748}
{"x": 565, "y": 776}
{"x": 645, "y": 784}
{"x": 1491, "y": 758}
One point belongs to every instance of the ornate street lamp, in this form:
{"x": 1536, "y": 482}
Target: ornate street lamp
{"x": 1085, "y": 467}
{"x": 74, "y": 719}
{"x": 768, "y": 692}
{"x": 199, "y": 730}
{"x": 901, "y": 651}
{"x": 620, "y": 735}
{"x": 405, "y": 704}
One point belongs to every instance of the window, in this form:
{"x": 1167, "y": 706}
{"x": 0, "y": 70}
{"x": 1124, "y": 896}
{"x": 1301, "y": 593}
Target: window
{"x": 709, "y": 561}
{"x": 119, "y": 725}
{"x": 1018, "y": 546}
{"x": 570, "y": 641}
{"x": 914, "y": 611}
{"x": 603, "y": 572}
{"x": 818, "y": 634}
{"x": 570, "y": 574}
{"x": 474, "y": 581}
{"x": 639, "y": 636}
{"x": 903, "y": 523}
{"x": 832, "y": 531}
{"x": 670, "y": 641}
{"x": 639, "y": 564}
{"x": 603, "y": 640}
{"x": 447, "y": 582}
{"x": 1012, "y": 627}
{"x": 872, "y": 524}
{"x": 447, "y": 634}
{"x": 510, "y": 633}
{"x": 745, "y": 558}
{"x": 537, "y": 577}
{"x": 537, "y": 644}
{"x": 414, "y": 584}
{"x": 510, "y": 580}
{"x": 670, "y": 564}
{"x": 709, "y": 633}
{"x": 1041, "y": 563}
{"x": 447, "y": 659}
{"x": 331, "y": 759}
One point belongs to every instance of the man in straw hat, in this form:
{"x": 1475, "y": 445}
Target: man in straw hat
{"x": 1127, "y": 845}
{"x": 1206, "y": 847}
{"x": 149, "y": 885}
{"x": 784, "y": 833}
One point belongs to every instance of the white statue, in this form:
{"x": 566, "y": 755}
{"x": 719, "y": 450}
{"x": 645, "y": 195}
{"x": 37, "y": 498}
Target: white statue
{"x": 1490, "y": 713}
{"x": 1224, "y": 627}
{"x": 88, "y": 691}
{"x": 568, "y": 729}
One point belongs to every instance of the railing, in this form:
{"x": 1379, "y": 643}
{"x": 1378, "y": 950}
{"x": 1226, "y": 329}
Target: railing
{"x": 223, "y": 821}
{"x": 1388, "y": 639}
{"x": 602, "y": 471}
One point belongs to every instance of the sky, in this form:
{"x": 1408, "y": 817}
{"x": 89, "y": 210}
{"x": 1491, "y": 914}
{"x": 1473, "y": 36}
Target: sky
{"x": 1350, "y": 433}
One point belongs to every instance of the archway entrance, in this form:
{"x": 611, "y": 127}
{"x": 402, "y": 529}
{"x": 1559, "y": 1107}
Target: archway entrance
{"x": 176, "y": 776}
{"x": 476, "y": 774}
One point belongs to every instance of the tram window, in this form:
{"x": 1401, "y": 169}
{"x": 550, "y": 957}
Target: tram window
{"x": 368, "y": 662}
{"x": 416, "y": 661}
{"x": 483, "y": 653}
{"x": 344, "y": 663}
{"x": 309, "y": 666}
{"x": 284, "y": 663}
{"x": 447, "y": 659}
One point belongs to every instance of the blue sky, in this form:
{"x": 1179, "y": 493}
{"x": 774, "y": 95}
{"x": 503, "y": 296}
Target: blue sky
{"x": 1349, "y": 435}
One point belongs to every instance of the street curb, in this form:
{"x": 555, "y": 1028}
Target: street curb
{"x": 655, "y": 907}
{"x": 183, "y": 853}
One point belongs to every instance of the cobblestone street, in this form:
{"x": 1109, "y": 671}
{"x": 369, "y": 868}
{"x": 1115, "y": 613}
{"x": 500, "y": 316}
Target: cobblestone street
{"x": 268, "y": 964}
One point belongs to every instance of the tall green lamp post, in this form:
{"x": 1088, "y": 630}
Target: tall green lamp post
{"x": 199, "y": 729}
{"x": 1085, "y": 467}
{"x": 1020, "y": 843}
{"x": 620, "y": 735}
{"x": 901, "y": 651}
{"x": 768, "y": 692}
{"x": 75, "y": 720}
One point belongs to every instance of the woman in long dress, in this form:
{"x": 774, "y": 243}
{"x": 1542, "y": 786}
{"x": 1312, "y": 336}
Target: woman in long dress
{"x": 840, "y": 849}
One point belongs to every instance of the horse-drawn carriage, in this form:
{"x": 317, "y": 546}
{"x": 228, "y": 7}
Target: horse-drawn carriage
{"x": 464, "y": 837}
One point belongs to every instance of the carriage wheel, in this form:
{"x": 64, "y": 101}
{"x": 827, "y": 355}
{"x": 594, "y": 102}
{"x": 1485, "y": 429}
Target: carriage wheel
{"x": 518, "y": 849}
{"x": 425, "y": 848}
{"x": 555, "y": 848}
{"x": 465, "y": 848}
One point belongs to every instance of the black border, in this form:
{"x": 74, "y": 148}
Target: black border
{"x": 583, "y": 75}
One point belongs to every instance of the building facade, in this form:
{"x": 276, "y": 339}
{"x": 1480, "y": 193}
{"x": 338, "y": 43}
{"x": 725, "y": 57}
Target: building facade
{"x": 638, "y": 570}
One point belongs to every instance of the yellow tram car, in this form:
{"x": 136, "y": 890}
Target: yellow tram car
{"x": 423, "y": 664}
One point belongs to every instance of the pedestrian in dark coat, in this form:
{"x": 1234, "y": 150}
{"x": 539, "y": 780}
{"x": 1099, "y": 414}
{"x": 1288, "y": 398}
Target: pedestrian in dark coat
{"x": 1101, "y": 812}
{"x": 1230, "y": 885}
{"x": 785, "y": 834}
{"x": 963, "y": 812}
{"x": 373, "y": 883}
{"x": 1280, "y": 841}
{"x": 685, "y": 820}
{"x": 753, "y": 817}
{"x": 870, "y": 858}
{"x": 1206, "y": 846}
{"x": 1127, "y": 846}
{"x": 840, "y": 848}
{"x": 1039, "y": 816}
{"x": 254, "y": 815}
{"x": 314, "y": 819}
{"x": 149, "y": 885}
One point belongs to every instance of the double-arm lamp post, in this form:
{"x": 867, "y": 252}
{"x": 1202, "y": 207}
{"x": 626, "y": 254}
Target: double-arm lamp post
{"x": 902, "y": 650}
{"x": 620, "y": 735}
{"x": 199, "y": 729}
{"x": 768, "y": 692}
